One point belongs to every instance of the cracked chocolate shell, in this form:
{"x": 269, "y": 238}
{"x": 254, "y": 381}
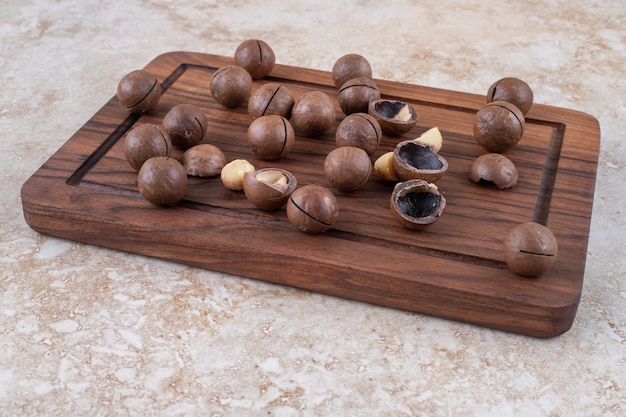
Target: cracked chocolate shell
{"x": 413, "y": 159}
{"x": 416, "y": 203}
{"x": 269, "y": 188}
{"x": 494, "y": 168}
{"x": 395, "y": 117}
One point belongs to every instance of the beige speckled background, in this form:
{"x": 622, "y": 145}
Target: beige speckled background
{"x": 94, "y": 332}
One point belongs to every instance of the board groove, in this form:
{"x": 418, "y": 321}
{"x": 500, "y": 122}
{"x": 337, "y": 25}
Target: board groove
{"x": 454, "y": 269}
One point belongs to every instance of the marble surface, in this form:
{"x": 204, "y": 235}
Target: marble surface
{"x": 91, "y": 331}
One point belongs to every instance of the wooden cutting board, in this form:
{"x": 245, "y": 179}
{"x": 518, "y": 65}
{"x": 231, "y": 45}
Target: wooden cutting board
{"x": 454, "y": 269}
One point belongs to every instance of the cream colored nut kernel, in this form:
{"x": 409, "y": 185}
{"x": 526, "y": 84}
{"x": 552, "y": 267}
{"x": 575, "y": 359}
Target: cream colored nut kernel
{"x": 404, "y": 114}
{"x": 384, "y": 167}
{"x": 275, "y": 179}
{"x": 432, "y": 136}
{"x": 233, "y": 172}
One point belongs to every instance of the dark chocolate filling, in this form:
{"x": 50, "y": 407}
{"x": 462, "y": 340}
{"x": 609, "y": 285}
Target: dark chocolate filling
{"x": 421, "y": 157}
{"x": 389, "y": 109}
{"x": 418, "y": 205}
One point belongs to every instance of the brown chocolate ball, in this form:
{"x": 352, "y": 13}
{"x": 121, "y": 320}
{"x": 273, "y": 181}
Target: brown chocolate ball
{"x": 530, "y": 249}
{"x": 313, "y": 113}
{"x": 271, "y": 98}
{"x": 514, "y": 91}
{"x": 204, "y": 160}
{"x": 355, "y": 95}
{"x": 144, "y": 142}
{"x": 360, "y": 130}
{"x": 162, "y": 180}
{"x": 347, "y": 168}
{"x": 498, "y": 126}
{"x": 256, "y": 57}
{"x": 350, "y": 66}
{"x": 312, "y": 208}
{"x": 231, "y": 85}
{"x": 139, "y": 91}
{"x": 186, "y": 124}
{"x": 271, "y": 137}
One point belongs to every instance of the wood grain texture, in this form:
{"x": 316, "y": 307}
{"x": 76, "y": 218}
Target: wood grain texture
{"x": 454, "y": 269}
